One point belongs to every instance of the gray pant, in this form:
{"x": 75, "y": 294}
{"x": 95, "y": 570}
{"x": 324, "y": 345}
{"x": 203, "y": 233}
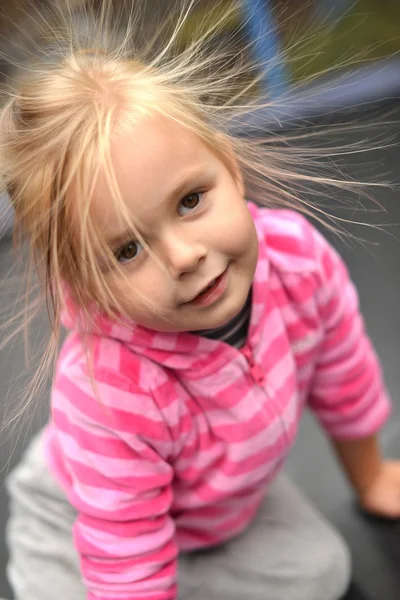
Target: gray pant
{"x": 288, "y": 553}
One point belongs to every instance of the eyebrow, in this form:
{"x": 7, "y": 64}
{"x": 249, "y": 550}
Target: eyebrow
{"x": 189, "y": 181}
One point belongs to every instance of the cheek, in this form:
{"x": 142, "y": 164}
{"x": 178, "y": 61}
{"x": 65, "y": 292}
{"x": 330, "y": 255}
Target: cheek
{"x": 237, "y": 232}
{"x": 141, "y": 292}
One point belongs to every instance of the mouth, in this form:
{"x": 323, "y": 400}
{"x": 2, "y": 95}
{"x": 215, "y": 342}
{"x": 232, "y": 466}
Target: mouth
{"x": 211, "y": 292}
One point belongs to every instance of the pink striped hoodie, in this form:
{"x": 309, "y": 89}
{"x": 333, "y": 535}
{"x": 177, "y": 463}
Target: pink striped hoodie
{"x": 176, "y": 448}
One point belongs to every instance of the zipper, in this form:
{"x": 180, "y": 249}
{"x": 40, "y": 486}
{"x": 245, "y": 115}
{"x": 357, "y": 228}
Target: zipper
{"x": 256, "y": 371}
{"x": 259, "y": 376}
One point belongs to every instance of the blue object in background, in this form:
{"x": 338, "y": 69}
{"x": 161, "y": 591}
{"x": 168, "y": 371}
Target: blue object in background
{"x": 262, "y": 30}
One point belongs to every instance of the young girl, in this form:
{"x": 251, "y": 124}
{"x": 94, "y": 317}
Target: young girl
{"x": 201, "y": 327}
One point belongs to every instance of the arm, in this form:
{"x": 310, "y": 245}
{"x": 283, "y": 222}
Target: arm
{"x": 348, "y": 394}
{"x": 118, "y": 480}
{"x": 375, "y": 481}
{"x": 361, "y": 460}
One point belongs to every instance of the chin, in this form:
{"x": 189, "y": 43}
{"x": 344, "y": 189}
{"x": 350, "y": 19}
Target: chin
{"x": 221, "y": 316}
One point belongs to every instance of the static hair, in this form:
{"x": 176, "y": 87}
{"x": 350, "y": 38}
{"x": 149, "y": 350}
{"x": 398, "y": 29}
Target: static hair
{"x": 93, "y": 78}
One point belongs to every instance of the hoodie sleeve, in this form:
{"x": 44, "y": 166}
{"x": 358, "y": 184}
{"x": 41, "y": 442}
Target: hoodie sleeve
{"x": 347, "y": 394}
{"x": 113, "y": 452}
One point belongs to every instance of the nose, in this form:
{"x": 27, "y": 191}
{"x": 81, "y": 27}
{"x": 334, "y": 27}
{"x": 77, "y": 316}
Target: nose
{"x": 182, "y": 255}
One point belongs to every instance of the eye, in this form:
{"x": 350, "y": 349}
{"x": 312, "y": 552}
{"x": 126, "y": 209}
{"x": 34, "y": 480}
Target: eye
{"x": 189, "y": 203}
{"x": 128, "y": 252}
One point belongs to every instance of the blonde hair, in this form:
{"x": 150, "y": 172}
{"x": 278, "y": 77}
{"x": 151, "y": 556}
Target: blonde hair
{"x": 56, "y": 128}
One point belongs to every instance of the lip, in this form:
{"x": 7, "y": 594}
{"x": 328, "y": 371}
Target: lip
{"x": 212, "y": 294}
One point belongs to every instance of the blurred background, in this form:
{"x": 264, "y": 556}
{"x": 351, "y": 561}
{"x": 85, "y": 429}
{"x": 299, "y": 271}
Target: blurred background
{"x": 354, "y": 46}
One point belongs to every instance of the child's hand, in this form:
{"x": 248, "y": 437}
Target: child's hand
{"x": 382, "y": 497}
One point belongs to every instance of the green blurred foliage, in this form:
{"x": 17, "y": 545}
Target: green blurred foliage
{"x": 370, "y": 30}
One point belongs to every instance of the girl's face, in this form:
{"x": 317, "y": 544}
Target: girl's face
{"x": 189, "y": 208}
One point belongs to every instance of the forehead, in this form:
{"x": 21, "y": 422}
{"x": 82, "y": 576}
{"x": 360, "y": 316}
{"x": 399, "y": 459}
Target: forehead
{"x": 149, "y": 161}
